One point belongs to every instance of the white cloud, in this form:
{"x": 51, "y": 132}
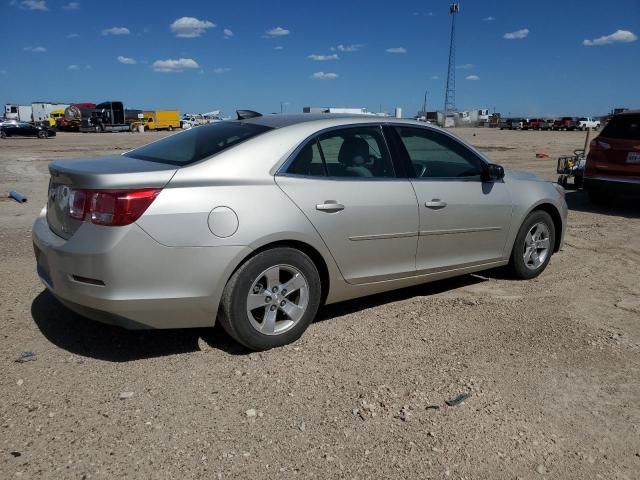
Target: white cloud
{"x": 277, "y": 32}
{"x": 349, "y": 48}
{"x": 71, "y": 6}
{"x": 489, "y": 19}
{"x": 619, "y": 36}
{"x": 323, "y": 58}
{"x": 174, "y": 65}
{"x": 190, "y": 27}
{"x": 73, "y": 35}
{"x": 396, "y": 50}
{"x": 324, "y": 76}
{"x": 227, "y": 33}
{"x": 34, "y": 5}
{"x": 435, "y": 77}
{"x": 126, "y": 60}
{"x": 517, "y": 35}
{"x": 472, "y": 77}
{"x": 279, "y": 47}
{"x": 3, "y": 72}
{"x": 221, "y": 70}
{"x": 116, "y": 31}
{"x": 465, "y": 66}
{"x": 73, "y": 67}
{"x": 35, "y": 49}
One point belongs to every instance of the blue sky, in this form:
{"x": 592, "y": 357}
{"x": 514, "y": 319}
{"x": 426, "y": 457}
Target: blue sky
{"x": 256, "y": 54}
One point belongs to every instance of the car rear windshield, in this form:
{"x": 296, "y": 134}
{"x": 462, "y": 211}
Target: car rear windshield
{"x": 624, "y": 127}
{"x": 198, "y": 143}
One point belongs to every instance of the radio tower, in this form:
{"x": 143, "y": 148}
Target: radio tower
{"x": 450, "y": 93}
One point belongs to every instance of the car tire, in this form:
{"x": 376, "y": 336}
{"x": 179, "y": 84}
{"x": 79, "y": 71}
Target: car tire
{"x": 42, "y": 134}
{"x": 259, "y": 283}
{"x": 3, "y": 134}
{"x": 170, "y": 128}
{"x": 533, "y": 246}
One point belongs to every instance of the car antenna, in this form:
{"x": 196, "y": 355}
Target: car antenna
{"x": 245, "y": 114}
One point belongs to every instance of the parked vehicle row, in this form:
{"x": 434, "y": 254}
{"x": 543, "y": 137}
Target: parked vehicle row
{"x": 560, "y": 124}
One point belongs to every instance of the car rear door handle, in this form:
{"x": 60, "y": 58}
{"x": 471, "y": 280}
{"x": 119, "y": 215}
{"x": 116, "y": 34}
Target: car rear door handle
{"x": 330, "y": 206}
{"x": 435, "y": 204}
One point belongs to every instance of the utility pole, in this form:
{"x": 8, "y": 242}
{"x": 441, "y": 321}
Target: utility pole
{"x": 450, "y": 92}
{"x": 424, "y": 105}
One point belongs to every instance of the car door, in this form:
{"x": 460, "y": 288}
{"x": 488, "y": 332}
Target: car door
{"x": 345, "y": 182}
{"x": 464, "y": 221}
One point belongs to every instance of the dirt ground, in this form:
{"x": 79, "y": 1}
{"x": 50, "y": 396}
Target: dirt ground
{"x": 552, "y": 365}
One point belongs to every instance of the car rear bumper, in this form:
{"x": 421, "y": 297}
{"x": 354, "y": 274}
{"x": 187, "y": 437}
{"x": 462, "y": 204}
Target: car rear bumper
{"x": 124, "y": 277}
{"x": 615, "y": 185}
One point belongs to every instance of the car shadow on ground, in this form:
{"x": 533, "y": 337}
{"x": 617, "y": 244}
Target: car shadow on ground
{"x": 627, "y": 207}
{"x": 84, "y": 337}
{"x": 81, "y": 336}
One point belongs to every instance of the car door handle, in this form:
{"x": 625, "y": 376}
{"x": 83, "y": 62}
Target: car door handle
{"x": 435, "y": 204}
{"x": 330, "y": 206}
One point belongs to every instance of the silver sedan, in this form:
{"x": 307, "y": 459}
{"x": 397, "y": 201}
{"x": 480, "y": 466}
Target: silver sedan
{"x": 257, "y": 222}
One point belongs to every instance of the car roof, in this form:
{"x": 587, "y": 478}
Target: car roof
{"x": 628, "y": 112}
{"x": 323, "y": 119}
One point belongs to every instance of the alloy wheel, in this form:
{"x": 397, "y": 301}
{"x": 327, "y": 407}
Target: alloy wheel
{"x": 277, "y": 299}
{"x": 536, "y": 246}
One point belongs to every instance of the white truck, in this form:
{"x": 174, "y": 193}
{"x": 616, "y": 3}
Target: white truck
{"x": 22, "y": 113}
{"x": 587, "y": 122}
{"x": 42, "y": 110}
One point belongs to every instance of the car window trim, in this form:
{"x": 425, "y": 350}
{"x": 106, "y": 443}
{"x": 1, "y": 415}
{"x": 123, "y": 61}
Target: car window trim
{"x": 282, "y": 170}
{"x": 407, "y": 158}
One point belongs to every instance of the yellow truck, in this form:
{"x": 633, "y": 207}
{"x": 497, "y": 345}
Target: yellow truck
{"x": 160, "y": 120}
{"x": 54, "y": 115}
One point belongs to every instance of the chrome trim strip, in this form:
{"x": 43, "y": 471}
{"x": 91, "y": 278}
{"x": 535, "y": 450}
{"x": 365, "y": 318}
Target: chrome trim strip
{"x": 458, "y": 230}
{"x": 383, "y": 236}
{"x": 634, "y": 181}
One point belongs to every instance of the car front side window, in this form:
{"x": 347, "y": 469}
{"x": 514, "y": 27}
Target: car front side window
{"x": 434, "y": 155}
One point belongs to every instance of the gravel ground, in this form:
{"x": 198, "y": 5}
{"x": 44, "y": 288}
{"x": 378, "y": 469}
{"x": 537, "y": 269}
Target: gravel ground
{"x": 552, "y": 365}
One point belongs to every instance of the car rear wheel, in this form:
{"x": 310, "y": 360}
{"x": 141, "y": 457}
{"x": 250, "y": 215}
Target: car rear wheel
{"x": 43, "y": 134}
{"x": 271, "y": 299}
{"x": 533, "y": 247}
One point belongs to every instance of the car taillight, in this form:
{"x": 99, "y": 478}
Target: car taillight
{"x": 113, "y": 208}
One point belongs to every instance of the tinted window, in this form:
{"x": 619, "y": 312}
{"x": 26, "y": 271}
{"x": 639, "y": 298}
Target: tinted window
{"x": 356, "y": 152}
{"x": 308, "y": 162}
{"x": 434, "y": 155}
{"x": 198, "y": 143}
{"x": 624, "y": 127}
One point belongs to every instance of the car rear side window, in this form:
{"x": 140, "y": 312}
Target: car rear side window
{"x": 354, "y": 152}
{"x": 625, "y": 127}
{"x": 197, "y": 143}
{"x": 309, "y": 161}
{"x": 434, "y": 155}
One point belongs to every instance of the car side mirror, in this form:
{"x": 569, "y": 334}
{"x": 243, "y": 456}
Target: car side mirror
{"x": 492, "y": 172}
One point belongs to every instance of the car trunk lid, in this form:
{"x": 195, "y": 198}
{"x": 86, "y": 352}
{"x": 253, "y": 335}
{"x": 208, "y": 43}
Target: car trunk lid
{"x": 105, "y": 173}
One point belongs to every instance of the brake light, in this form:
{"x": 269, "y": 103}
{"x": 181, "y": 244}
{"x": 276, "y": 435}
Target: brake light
{"x": 113, "y": 208}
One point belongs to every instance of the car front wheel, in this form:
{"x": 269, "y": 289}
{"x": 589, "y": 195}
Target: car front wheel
{"x": 42, "y": 134}
{"x": 271, "y": 299}
{"x": 3, "y": 134}
{"x": 533, "y": 247}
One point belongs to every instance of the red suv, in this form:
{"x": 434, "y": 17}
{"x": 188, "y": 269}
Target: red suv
{"x": 613, "y": 163}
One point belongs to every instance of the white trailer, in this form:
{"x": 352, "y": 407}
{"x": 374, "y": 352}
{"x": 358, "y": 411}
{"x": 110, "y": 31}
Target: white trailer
{"x": 22, "y": 113}
{"x": 42, "y": 110}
